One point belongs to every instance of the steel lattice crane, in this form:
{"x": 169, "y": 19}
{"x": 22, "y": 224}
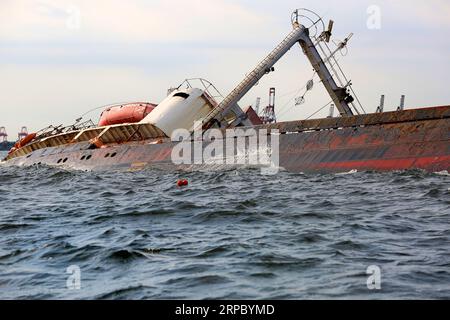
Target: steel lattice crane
{"x": 299, "y": 35}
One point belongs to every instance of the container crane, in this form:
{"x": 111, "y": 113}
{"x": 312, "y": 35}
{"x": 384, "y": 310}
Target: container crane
{"x": 23, "y": 133}
{"x": 269, "y": 112}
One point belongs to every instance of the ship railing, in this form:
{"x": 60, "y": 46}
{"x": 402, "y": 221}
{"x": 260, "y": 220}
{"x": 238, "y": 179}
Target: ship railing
{"x": 200, "y": 83}
{"x": 105, "y": 135}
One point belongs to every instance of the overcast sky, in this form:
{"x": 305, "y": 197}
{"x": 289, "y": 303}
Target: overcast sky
{"x": 61, "y": 58}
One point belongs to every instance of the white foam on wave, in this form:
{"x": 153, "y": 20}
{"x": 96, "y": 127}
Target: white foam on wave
{"x": 347, "y": 173}
{"x": 442, "y": 173}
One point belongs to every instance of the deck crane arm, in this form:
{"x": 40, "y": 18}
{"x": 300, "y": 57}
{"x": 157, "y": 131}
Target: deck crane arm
{"x": 341, "y": 98}
{"x": 299, "y": 34}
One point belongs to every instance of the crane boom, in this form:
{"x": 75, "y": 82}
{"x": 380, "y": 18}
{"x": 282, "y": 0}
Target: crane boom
{"x": 299, "y": 34}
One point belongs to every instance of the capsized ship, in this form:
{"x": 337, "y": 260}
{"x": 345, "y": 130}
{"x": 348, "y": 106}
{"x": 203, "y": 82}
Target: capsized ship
{"x": 138, "y": 135}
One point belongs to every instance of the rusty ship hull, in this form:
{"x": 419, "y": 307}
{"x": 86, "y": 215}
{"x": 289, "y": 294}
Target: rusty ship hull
{"x": 402, "y": 140}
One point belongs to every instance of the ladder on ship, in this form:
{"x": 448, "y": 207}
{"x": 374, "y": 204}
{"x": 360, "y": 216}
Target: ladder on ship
{"x": 300, "y": 34}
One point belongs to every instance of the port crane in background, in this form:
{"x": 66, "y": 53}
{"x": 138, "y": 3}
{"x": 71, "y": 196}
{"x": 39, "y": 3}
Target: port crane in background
{"x": 341, "y": 94}
{"x": 3, "y": 135}
{"x": 23, "y": 133}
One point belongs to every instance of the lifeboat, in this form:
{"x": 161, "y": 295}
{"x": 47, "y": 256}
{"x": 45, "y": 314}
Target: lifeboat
{"x": 126, "y": 113}
{"x": 23, "y": 142}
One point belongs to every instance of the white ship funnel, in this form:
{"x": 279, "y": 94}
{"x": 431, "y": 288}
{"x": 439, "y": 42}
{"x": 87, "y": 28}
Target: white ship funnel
{"x": 180, "y": 110}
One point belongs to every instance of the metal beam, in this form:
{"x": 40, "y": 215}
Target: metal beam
{"x": 250, "y": 80}
{"x": 340, "y": 96}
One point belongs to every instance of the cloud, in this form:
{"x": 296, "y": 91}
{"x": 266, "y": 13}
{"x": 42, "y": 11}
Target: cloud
{"x": 124, "y": 21}
{"x": 38, "y": 96}
{"x": 433, "y": 14}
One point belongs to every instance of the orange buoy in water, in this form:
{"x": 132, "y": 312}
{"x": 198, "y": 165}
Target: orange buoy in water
{"x": 182, "y": 183}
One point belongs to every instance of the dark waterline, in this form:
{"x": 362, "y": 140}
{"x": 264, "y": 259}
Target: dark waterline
{"x": 232, "y": 234}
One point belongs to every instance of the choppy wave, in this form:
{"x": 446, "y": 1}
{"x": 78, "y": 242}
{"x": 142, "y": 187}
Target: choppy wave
{"x": 443, "y": 173}
{"x": 232, "y": 234}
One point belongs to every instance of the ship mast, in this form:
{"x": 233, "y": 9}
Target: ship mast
{"x": 299, "y": 34}
{"x": 339, "y": 95}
